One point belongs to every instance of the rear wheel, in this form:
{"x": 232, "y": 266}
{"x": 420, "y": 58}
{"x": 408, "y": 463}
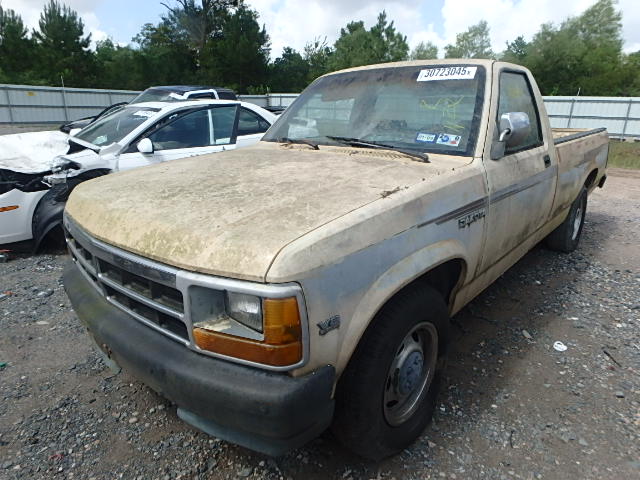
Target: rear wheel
{"x": 566, "y": 236}
{"x": 387, "y": 394}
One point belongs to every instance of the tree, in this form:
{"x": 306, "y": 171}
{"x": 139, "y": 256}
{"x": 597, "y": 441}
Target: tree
{"x": 584, "y": 54}
{"x": 197, "y": 23}
{"x": 317, "y": 54}
{"x": 516, "y": 51}
{"x": 424, "y": 51}
{"x": 16, "y": 49}
{"x": 122, "y": 67}
{"x": 289, "y": 72}
{"x": 357, "y": 46}
{"x": 239, "y": 58}
{"x": 62, "y": 47}
{"x": 474, "y": 43}
{"x": 165, "y": 56}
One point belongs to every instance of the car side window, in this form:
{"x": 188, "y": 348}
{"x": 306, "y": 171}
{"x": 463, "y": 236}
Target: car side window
{"x": 516, "y": 96}
{"x": 251, "y": 123}
{"x": 202, "y": 128}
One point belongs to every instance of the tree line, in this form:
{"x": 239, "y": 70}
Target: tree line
{"x": 221, "y": 42}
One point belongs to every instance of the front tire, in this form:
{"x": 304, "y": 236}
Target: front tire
{"x": 387, "y": 394}
{"x": 566, "y": 236}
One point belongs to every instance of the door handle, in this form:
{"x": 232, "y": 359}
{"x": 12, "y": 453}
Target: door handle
{"x": 547, "y": 161}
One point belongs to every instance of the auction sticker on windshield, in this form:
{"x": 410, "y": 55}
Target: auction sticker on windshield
{"x": 426, "y": 137}
{"x": 446, "y": 139}
{"x": 447, "y": 73}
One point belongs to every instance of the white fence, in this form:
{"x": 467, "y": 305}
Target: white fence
{"x": 25, "y": 104}
{"x": 619, "y": 115}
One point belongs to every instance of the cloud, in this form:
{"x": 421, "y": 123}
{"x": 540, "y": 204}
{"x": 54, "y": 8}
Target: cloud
{"x": 293, "y": 23}
{"x": 30, "y": 11}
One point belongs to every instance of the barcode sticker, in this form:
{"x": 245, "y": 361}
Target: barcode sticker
{"x": 447, "y": 73}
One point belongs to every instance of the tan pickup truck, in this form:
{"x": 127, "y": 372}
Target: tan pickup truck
{"x": 308, "y": 281}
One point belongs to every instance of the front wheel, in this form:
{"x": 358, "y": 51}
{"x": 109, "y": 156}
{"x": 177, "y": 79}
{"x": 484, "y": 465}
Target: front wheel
{"x": 387, "y": 394}
{"x": 566, "y": 236}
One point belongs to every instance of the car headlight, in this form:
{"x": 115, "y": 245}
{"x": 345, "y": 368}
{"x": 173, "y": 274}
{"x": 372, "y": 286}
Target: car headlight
{"x": 60, "y": 164}
{"x": 256, "y": 329}
{"x": 246, "y": 309}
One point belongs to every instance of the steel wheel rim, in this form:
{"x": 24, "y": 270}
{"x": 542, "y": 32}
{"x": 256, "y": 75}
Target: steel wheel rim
{"x": 411, "y": 373}
{"x": 577, "y": 222}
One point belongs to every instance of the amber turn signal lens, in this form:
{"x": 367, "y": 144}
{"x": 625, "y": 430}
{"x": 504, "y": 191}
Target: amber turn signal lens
{"x": 282, "y": 344}
{"x": 9, "y": 208}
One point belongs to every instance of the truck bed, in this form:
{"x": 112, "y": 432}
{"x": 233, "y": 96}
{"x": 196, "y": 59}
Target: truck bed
{"x": 562, "y": 135}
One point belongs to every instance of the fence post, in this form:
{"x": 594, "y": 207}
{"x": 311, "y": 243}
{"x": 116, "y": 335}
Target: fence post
{"x": 6, "y": 92}
{"x": 626, "y": 118}
{"x": 64, "y": 103}
{"x": 573, "y": 102}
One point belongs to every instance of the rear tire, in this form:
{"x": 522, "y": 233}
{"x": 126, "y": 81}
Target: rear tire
{"x": 387, "y": 394}
{"x": 566, "y": 236}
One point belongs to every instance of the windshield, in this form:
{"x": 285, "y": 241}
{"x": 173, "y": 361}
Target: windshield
{"x": 425, "y": 108}
{"x": 116, "y": 125}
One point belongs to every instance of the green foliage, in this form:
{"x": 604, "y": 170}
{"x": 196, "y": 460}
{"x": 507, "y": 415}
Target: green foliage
{"x": 317, "y": 54}
{"x": 474, "y": 43}
{"x": 424, "y": 51}
{"x": 358, "y": 46}
{"x": 220, "y": 42}
{"x": 240, "y": 57}
{"x": 583, "y": 54}
{"x": 62, "y": 49}
{"x": 289, "y": 72}
{"x": 16, "y": 49}
{"x": 165, "y": 56}
{"x": 516, "y": 51}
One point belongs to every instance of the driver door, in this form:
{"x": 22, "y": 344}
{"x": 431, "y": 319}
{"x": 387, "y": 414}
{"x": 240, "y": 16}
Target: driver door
{"x": 522, "y": 182}
{"x": 196, "y": 132}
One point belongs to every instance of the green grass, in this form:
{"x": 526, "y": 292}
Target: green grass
{"x": 624, "y": 154}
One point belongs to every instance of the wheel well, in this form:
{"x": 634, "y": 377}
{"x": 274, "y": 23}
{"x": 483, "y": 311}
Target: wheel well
{"x": 443, "y": 278}
{"x": 591, "y": 179}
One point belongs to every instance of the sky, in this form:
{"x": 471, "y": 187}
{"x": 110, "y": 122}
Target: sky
{"x": 296, "y": 22}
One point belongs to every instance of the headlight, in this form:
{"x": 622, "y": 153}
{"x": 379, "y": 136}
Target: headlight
{"x": 239, "y": 325}
{"x": 246, "y": 309}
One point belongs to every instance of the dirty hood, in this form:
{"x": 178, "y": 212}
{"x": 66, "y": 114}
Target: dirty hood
{"x": 230, "y": 214}
{"x": 31, "y": 152}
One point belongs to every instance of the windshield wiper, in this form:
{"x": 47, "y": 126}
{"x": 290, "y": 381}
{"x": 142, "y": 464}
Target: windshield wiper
{"x": 301, "y": 141}
{"x": 356, "y": 142}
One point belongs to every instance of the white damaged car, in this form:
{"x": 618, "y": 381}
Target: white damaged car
{"x": 34, "y": 186}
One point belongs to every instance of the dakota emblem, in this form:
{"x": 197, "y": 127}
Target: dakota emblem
{"x": 469, "y": 218}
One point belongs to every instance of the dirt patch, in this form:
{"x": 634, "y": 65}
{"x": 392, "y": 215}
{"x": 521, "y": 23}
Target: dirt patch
{"x": 511, "y": 407}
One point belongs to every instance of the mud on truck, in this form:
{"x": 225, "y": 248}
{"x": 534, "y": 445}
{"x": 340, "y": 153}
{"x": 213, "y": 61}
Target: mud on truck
{"x": 307, "y": 282}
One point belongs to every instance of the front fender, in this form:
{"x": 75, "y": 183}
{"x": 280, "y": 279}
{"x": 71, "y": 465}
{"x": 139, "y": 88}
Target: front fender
{"x": 389, "y": 283}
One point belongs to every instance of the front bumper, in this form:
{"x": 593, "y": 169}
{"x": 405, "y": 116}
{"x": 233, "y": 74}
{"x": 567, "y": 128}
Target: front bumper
{"x": 265, "y": 411}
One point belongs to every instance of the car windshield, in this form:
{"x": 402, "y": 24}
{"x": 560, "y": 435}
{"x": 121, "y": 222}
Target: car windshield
{"x": 428, "y": 108}
{"x": 116, "y": 125}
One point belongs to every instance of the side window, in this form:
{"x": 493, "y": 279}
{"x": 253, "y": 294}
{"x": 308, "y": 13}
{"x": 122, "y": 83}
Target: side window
{"x": 188, "y": 131}
{"x": 250, "y": 123}
{"x": 516, "y": 96}
{"x": 202, "y": 128}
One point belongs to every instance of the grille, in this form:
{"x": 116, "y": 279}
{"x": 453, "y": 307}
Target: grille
{"x": 147, "y": 294}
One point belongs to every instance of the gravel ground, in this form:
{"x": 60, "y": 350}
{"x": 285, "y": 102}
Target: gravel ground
{"x": 512, "y": 406}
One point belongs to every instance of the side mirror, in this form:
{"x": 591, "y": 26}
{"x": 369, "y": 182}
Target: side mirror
{"x": 513, "y": 129}
{"x": 145, "y": 146}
